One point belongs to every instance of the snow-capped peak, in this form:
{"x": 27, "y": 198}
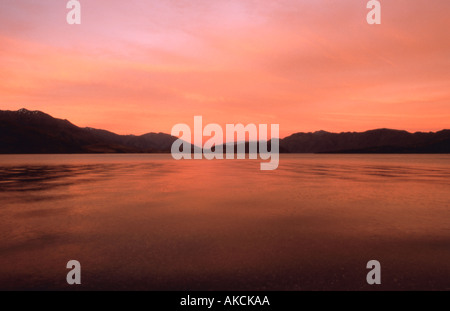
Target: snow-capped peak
{"x": 26, "y": 111}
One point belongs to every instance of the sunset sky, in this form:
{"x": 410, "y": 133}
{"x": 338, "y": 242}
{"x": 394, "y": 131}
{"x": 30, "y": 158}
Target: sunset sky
{"x": 134, "y": 67}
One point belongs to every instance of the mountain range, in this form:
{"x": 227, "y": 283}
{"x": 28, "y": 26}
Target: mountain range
{"x": 24, "y": 131}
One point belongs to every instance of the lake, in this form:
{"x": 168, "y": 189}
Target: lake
{"x": 150, "y": 222}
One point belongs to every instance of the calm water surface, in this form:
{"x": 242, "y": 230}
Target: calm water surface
{"x": 150, "y": 222}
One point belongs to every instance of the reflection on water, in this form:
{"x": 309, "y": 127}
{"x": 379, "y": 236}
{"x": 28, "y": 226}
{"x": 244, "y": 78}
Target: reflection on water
{"x": 39, "y": 178}
{"x": 149, "y": 222}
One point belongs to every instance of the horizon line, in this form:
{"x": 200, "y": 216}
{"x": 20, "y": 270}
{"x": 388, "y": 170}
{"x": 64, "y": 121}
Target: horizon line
{"x": 310, "y": 132}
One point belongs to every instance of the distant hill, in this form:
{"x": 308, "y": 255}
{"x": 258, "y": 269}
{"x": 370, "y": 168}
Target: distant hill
{"x": 374, "y": 141}
{"x": 25, "y": 131}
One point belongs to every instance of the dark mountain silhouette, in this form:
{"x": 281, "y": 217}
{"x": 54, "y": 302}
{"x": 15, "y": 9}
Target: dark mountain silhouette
{"x": 25, "y": 131}
{"x": 374, "y": 141}
{"x": 246, "y": 146}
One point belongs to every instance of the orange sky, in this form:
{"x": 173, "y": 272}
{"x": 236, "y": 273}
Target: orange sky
{"x": 143, "y": 66}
